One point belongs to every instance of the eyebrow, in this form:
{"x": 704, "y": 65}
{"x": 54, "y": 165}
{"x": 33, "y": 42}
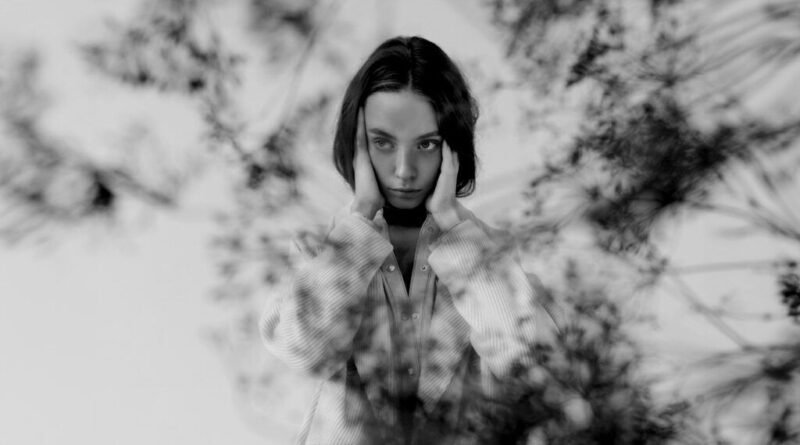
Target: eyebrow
{"x": 386, "y": 134}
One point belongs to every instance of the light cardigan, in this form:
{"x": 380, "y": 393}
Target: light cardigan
{"x": 463, "y": 327}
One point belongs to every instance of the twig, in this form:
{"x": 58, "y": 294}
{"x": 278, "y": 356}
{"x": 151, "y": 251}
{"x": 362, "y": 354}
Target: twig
{"x": 710, "y": 315}
{"x": 747, "y": 216}
{"x": 776, "y": 191}
{"x": 721, "y": 267}
{"x": 289, "y": 101}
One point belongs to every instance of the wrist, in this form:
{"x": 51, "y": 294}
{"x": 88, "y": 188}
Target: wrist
{"x": 366, "y": 210}
{"x": 447, "y": 219}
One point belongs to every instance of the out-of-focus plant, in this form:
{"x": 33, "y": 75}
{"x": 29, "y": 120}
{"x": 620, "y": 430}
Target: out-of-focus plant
{"x": 47, "y": 184}
{"x": 177, "y": 48}
{"x": 658, "y": 90}
{"x": 585, "y": 384}
{"x": 663, "y": 95}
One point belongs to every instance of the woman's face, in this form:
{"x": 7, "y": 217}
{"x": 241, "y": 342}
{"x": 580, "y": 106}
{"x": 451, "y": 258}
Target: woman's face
{"x": 404, "y": 145}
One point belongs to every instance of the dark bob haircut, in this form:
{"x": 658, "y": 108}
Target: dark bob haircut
{"x": 416, "y": 64}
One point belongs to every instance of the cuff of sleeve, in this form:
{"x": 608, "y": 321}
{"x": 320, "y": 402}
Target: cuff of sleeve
{"x": 358, "y": 237}
{"x": 463, "y": 247}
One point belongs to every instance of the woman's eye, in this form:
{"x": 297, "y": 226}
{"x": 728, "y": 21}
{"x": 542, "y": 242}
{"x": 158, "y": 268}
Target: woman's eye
{"x": 381, "y": 144}
{"x": 431, "y": 144}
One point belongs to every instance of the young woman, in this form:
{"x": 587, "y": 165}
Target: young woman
{"x": 412, "y": 314}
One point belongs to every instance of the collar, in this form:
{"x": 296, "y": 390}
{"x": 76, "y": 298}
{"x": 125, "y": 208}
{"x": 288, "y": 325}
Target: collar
{"x": 405, "y": 217}
{"x": 428, "y": 227}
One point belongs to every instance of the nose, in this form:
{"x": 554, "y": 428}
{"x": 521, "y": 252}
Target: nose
{"x": 405, "y": 165}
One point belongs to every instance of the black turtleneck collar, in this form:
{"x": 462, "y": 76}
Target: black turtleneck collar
{"x": 405, "y": 217}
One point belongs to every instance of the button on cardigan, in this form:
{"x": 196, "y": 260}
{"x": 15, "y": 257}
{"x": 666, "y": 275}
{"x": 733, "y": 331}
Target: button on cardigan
{"x": 396, "y": 365}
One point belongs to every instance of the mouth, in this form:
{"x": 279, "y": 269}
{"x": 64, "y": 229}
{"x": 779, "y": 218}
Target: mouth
{"x": 404, "y": 192}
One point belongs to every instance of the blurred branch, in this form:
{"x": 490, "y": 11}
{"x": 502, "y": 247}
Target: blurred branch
{"x": 723, "y": 267}
{"x": 714, "y": 320}
{"x": 769, "y": 222}
{"x": 49, "y": 183}
{"x": 747, "y": 49}
{"x": 329, "y": 12}
{"x": 765, "y": 376}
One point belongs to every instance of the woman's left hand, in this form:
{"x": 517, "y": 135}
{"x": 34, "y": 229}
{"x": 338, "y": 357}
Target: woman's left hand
{"x": 442, "y": 203}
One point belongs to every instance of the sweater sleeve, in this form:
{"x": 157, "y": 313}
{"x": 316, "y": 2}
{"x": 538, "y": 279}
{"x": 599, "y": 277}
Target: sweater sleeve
{"x": 311, "y": 327}
{"x": 491, "y": 292}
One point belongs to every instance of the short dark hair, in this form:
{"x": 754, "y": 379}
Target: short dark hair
{"x": 418, "y": 65}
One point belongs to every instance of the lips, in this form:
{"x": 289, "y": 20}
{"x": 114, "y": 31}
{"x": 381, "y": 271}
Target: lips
{"x": 404, "y": 192}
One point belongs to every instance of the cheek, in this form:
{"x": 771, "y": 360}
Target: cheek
{"x": 382, "y": 164}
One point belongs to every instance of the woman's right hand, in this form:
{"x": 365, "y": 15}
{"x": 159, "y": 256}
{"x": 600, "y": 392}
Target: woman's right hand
{"x": 368, "y": 198}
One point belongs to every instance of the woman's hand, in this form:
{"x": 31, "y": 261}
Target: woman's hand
{"x": 442, "y": 203}
{"x": 368, "y": 198}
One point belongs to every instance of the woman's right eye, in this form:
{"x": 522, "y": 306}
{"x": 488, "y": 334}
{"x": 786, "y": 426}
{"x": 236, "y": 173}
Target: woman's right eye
{"x": 381, "y": 144}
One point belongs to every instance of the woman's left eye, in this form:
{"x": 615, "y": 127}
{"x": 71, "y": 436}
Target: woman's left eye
{"x": 430, "y": 144}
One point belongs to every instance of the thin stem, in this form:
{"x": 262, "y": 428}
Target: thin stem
{"x": 707, "y": 313}
{"x": 722, "y": 267}
{"x": 766, "y": 178}
{"x": 294, "y": 85}
{"x": 747, "y": 216}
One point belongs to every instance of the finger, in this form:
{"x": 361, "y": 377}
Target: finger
{"x": 449, "y": 157}
{"x": 360, "y": 132}
{"x": 446, "y": 155}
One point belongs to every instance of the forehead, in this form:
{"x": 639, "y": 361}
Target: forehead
{"x": 401, "y": 113}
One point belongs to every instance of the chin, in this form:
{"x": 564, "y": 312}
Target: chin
{"x": 404, "y": 204}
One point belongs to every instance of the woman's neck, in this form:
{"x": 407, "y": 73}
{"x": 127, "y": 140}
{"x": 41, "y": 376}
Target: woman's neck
{"x": 405, "y": 217}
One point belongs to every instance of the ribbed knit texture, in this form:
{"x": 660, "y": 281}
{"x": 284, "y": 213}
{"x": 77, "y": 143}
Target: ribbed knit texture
{"x": 312, "y": 328}
{"x": 465, "y": 292}
{"x": 490, "y": 291}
